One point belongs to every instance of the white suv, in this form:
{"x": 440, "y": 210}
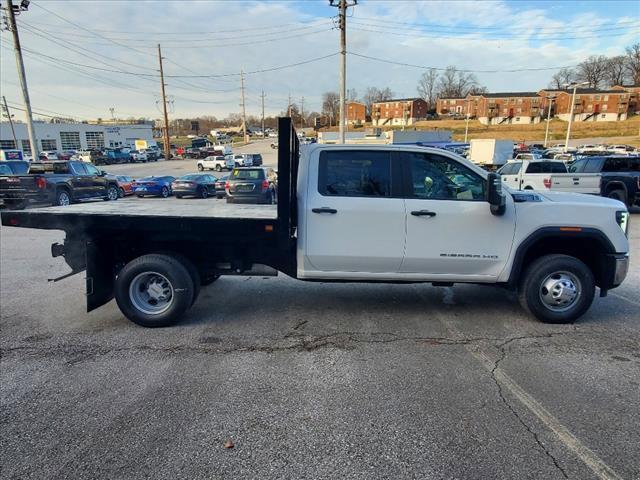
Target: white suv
{"x": 217, "y": 163}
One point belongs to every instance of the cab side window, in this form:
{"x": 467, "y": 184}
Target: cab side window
{"x": 441, "y": 178}
{"x": 350, "y": 173}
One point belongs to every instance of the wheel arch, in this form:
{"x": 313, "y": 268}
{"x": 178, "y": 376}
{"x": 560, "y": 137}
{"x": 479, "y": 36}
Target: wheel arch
{"x": 589, "y": 245}
{"x": 616, "y": 185}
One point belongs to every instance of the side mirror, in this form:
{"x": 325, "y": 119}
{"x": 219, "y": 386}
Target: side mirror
{"x": 103, "y": 173}
{"x": 495, "y": 197}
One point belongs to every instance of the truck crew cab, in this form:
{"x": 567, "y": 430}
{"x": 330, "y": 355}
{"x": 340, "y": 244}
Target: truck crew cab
{"x": 351, "y": 213}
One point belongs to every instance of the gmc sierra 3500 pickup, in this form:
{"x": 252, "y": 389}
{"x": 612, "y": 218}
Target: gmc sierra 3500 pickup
{"x": 350, "y": 213}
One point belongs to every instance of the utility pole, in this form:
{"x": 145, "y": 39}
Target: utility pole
{"x": 167, "y": 145}
{"x": 575, "y": 86}
{"x": 302, "y": 113}
{"x": 11, "y": 11}
{"x": 466, "y": 127}
{"x": 289, "y": 105}
{"x": 111, "y": 109}
{"x": 13, "y": 130}
{"x": 550, "y": 99}
{"x": 262, "y": 97}
{"x": 244, "y": 113}
{"x": 342, "y": 24}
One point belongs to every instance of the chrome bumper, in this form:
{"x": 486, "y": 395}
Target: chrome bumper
{"x": 621, "y": 269}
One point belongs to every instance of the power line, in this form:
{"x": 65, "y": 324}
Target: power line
{"x": 589, "y": 27}
{"x": 423, "y": 67}
{"x": 532, "y": 37}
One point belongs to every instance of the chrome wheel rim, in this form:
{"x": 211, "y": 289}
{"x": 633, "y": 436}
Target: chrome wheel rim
{"x": 165, "y": 192}
{"x": 560, "y": 291}
{"x": 113, "y": 193}
{"x": 63, "y": 199}
{"x": 151, "y": 293}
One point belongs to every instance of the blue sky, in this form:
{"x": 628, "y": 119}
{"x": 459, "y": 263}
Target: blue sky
{"x": 76, "y": 70}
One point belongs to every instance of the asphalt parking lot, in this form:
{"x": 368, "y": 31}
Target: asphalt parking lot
{"x": 312, "y": 380}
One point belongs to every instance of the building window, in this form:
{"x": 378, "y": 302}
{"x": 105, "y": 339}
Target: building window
{"x": 597, "y": 97}
{"x": 49, "y": 144}
{"x": 26, "y": 146}
{"x": 70, "y": 140}
{"x": 606, "y": 98}
{"x": 605, "y": 107}
{"x": 7, "y": 144}
{"x": 95, "y": 140}
{"x": 519, "y": 110}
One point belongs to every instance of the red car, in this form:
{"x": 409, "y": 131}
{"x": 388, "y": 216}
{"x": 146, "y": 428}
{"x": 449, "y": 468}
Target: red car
{"x": 125, "y": 185}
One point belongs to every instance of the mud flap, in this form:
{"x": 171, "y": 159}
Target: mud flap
{"x": 100, "y": 274}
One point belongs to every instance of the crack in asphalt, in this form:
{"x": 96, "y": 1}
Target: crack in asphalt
{"x": 503, "y": 354}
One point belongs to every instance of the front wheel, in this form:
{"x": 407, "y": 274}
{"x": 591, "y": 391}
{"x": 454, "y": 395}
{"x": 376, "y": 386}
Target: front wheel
{"x": 154, "y": 290}
{"x": 204, "y": 193}
{"x": 113, "y": 193}
{"x": 218, "y": 168}
{"x": 165, "y": 192}
{"x": 557, "y": 289}
{"x": 121, "y": 192}
{"x": 200, "y": 167}
{"x": 63, "y": 198}
{"x": 618, "y": 195}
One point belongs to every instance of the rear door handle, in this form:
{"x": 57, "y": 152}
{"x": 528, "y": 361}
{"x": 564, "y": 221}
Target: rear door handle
{"x": 423, "y": 213}
{"x": 324, "y": 210}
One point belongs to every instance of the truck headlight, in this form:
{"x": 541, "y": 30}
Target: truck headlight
{"x": 622, "y": 218}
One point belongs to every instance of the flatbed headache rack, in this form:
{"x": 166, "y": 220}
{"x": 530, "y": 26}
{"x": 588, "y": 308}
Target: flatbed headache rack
{"x": 102, "y": 237}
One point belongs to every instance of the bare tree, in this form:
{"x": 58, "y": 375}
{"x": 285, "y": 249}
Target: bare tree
{"x": 352, "y": 94}
{"x": 331, "y": 104}
{"x": 427, "y": 87}
{"x": 455, "y": 83}
{"x": 564, "y": 75}
{"x": 633, "y": 62}
{"x": 593, "y": 70}
{"x": 616, "y": 70}
{"x": 373, "y": 95}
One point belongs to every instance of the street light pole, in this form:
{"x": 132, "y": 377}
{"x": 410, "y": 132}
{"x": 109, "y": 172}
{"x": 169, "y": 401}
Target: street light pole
{"x": 466, "y": 127}
{"x": 573, "y": 101}
{"x": 546, "y": 133}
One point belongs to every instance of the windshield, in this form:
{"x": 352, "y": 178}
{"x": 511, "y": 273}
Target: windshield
{"x": 5, "y": 170}
{"x": 255, "y": 174}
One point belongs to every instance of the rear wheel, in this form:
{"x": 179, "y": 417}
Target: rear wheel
{"x": 63, "y": 198}
{"x": 204, "y": 193}
{"x": 154, "y": 290}
{"x": 121, "y": 192}
{"x": 618, "y": 195}
{"x": 200, "y": 167}
{"x": 178, "y": 196}
{"x": 140, "y": 196}
{"x": 218, "y": 168}
{"x": 557, "y": 289}
{"x": 165, "y": 192}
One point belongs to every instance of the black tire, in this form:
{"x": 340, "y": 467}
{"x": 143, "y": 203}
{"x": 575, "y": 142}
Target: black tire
{"x": 270, "y": 198}
{"x": 177, "y": 275}
{"x": 193, "y": 272}
{"x": 140, "y": 196}
{"x": 553, "y": 270}
{"x": 203, "y": 193}
{"x": 63, "y": 198}
{"x": 200, "y": 167}
{"x": 218, "y": 168}
{"x": 178, "y": 196}
{"x": 121, "y": 192}
{"x": 618, "y": 195}
{"x": 164, "y": 193}
{"x": 112, "y": 193}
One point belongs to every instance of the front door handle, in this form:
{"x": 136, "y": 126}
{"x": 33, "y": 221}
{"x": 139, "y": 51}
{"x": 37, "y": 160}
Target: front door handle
{"x": 324, "y": 210}
{"x": 423, "y": 213}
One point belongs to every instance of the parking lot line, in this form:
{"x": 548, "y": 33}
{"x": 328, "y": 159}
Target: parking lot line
{"x": 568, "y": 439}
{"x": 621, "y": 297}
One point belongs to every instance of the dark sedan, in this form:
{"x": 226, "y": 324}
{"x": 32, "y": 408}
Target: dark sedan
{"x": 195, "y": 184}
{"x": 252, "y": 185}
{"x": 155, "y": 186}
{"x": 220, "y": 186}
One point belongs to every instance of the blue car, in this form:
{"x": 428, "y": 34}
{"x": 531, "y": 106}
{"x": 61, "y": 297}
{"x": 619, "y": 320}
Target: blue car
{"x": 154, "y": 186}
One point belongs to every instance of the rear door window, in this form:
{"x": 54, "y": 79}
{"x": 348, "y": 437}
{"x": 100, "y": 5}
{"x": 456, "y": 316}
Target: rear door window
{"x": 349, "y": 173}
{"x": 557, "y": 167}
{"x": 79, "y": 169}
{"x": 616, "y": 165}
{"x": 535, "y": 167}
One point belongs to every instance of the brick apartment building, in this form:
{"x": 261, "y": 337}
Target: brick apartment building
{"x": 356, "y": 113}
{"x": 590, "y": 104}
{"x": 634, "y": 97}
{"x": 401, "y": 111}
{"x": 508, "y": 108}
{"x": 451, "y": 106}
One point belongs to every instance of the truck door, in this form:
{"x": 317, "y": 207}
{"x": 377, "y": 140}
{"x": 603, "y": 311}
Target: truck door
{"x": 98, "y": 182}
{"x": 80, "y": 181}
{"x": 510, "y": 174}
{"x": 450, "y": 229}
{"x": 355, "y": 218}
